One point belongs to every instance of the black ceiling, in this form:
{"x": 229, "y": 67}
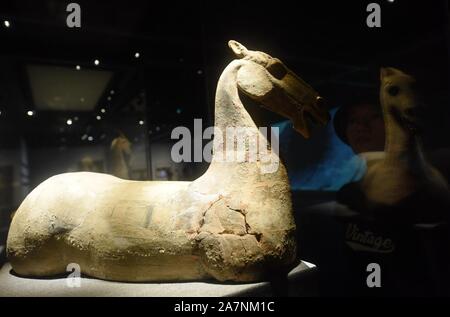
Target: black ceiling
{"x": 183, "y": 49}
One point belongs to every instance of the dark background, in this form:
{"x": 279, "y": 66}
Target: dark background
{"x": 326, "y": 42}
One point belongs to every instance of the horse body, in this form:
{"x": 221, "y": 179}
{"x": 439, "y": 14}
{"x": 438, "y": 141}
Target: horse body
{"x": 141, "y": 231}
{"x": 106, "y": 224}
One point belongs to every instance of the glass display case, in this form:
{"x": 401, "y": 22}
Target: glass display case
{"x": 357, "y": 95}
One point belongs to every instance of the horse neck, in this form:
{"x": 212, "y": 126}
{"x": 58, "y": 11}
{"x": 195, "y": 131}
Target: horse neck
{"x": 229, "y": 110}
{"x": 230, "y": 113}
{"x": 401, "y": 145}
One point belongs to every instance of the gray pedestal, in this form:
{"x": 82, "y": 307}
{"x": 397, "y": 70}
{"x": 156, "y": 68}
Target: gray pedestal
{"x": 301, "y": 281}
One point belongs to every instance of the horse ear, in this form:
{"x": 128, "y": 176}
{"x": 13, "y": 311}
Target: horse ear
{"x": 238, "y": 49}
{"x": 388, "y": 71}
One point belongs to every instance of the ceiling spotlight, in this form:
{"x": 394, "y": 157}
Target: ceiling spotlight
{"x": 69, "y": 121}
{"x": 391, "y": 1}
{"x": 178, "y": 110}
{"x": 75, "y": 118}
{"x": 157, "y": 128}
{"x": 90, "y": 138}
{"x": 30, "y": 113}
{"x": 96, "y": 62}
{"x": 112, "y": 92}
{"x": 102, "y": 110}
{"x": 137, "y": 55}
{"x": 109, "y": 98}
{"x": 6, "y": 23}
{"x": 98, "y": 117}
{"x": 141, "y": 122}
{"x": 199, "y": 72}
{"x": 84, "y": 137}
{"x": 78, "y": 67}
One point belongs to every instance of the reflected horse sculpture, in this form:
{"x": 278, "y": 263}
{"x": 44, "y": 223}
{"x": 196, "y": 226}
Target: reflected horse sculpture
{"x": 233, "y": 223}
{"x": 87, "y": 164}
{"x": 403, "y": 186}
{"x": 120, "y": 152}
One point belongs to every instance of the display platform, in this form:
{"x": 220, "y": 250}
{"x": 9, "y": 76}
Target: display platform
{"x": 301, "y": 281}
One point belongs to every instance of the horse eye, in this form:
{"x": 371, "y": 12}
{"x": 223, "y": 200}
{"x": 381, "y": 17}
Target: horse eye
{"x": 393, "y": 90}
{"x": 277, "y": 70}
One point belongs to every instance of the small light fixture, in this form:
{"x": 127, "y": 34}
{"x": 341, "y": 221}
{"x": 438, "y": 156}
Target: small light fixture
{"x": 96, "y": 62}
{"x": 30, "y": 113}
{"x": 84, "y": 137}
{"x": 90, "y": 138}
{"x": 98, "y": 118}
{"x": 199, "y": 72}
{"x": 141, "y": 122}
{"x": 109, "y": 98}
{"x": 157, "y": 129}
{"x": 6, "y": 23}
{"x": 112, "y": 92}
{"x": 75, "y": 118}
{"x": 136, "y": 55}
{"x": 178, "y": 110}
{"x": 69, "y": 122}
{"x": 78, "y": 67}
{"x": 102, "y": 110}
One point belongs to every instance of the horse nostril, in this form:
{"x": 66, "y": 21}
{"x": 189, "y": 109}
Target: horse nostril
{"x": 411, "y": 112}
{"x": 321, "y": 103}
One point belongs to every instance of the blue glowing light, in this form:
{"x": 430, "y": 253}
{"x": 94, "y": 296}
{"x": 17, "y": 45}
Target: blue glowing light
{"x": 322, "y": 162}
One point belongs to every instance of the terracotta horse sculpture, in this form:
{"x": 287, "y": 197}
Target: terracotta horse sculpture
{"x": 233, "y": 223}
{"x": 404, "y": 185}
